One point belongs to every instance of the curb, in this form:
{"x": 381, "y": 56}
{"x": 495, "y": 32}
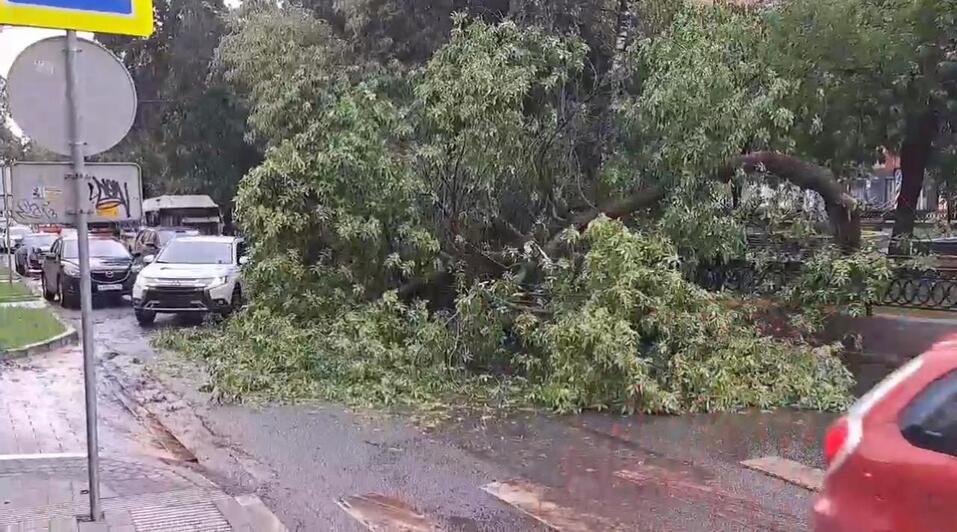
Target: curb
{"x": 191, "y": 435}
{"x": 69, "y": 337}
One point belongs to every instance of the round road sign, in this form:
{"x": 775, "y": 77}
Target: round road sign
{"x": 106, "y": 98}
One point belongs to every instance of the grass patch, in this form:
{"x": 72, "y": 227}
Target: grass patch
{"x": 24, "y": 326}
{"x": 14, "y": 292}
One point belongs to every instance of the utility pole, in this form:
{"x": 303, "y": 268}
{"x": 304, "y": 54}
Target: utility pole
{"x": 77, "y": 145}
{"x": 7, "y": 208}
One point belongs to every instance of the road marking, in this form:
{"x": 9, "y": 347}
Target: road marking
{"x": 682, "y": 488}
{"x": 257, "y": 512}
{"x": 651, "y": 474}
{"x": 532, "y": 500}
{"x": 810, "y": 478}
{"x": 385, "y": 514}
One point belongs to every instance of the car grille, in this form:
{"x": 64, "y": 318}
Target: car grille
{"x": 176, "y": 283}
{"x": 109, "y": 277}
{"x": 174, "y": 297}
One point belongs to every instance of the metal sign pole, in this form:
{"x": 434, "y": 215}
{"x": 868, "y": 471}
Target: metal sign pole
{"x": 86, "y": 296}
{"x": 7, "y": 213}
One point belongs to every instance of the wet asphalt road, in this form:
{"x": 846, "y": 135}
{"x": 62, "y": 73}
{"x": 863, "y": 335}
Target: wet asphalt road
{"x": 638, "y": 472}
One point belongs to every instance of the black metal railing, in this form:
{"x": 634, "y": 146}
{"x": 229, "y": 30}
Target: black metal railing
{"x": 928, "y": 289}
{"x": 743, "y": 277}
{"x": 909, "y": 288}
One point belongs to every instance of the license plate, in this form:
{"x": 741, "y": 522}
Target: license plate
{"x": 109, "y": 287}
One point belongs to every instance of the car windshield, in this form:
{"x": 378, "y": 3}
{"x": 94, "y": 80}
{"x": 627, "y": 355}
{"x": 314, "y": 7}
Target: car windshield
{"x": 39, "y": 241}
{"x": 99, "y": 247}
{"x": 196, "y": 252}
{"x": 166, "y": 236}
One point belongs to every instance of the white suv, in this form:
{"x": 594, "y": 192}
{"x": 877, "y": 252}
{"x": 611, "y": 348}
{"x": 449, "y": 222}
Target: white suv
{"x": 194, "y": 276}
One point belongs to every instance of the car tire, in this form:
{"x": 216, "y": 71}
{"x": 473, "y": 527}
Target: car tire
{"x": 193, "y": 318}
{"x": 47, "y": 294}
{"x": 235, "y": 302}
{"x": 145, "y": 317}
{"x": 67, "y": 301}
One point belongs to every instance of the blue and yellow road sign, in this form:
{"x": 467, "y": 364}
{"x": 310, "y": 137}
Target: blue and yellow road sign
{"x": 124, "y": 17}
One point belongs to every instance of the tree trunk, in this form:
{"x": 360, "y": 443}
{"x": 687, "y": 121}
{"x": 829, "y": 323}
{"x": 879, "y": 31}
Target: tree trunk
{"x": 842, "y": 211}
{"x": 915, "y": 154}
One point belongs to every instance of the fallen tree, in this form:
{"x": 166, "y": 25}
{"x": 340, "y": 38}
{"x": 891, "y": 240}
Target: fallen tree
{"x": 423, "y": 235}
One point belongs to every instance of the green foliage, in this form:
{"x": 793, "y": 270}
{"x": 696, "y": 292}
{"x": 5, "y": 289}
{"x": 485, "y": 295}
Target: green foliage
{"x": 637, "y": 335}
{"x": 495, "y": 152}
{"x": 419, "y": 218}
{"x": 189, "y": 133}
{"x": 10, "y": 146}
{"x": 283, "y": 61}
{"x": 706, "y": 94}
{"x": 866, "y": 71}
{"x": 342, "y": 205}
{"x": 625, "y": 330}
{"x": 382, "y": 353}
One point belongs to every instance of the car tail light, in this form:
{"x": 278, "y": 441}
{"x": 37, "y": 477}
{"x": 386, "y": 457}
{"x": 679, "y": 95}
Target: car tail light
{"x": 835, "y": 439}
{"x": 845, "y": 434}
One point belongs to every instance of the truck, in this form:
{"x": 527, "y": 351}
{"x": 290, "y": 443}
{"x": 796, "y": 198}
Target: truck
{"x": 196, "y": 211}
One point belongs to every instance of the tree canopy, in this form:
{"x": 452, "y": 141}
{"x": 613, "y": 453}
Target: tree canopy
{"x": 10, "y": 145}
{"x": 189, "y": 132}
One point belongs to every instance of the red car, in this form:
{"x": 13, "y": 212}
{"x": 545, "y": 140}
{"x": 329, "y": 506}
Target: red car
{"x": 892, "y": 460}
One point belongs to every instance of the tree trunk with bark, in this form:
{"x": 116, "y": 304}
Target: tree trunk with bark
{"x": 915, "y": 155}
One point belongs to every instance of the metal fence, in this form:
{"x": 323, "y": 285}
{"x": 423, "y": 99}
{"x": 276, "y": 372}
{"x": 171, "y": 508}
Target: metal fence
{"x": 909, "y": 288}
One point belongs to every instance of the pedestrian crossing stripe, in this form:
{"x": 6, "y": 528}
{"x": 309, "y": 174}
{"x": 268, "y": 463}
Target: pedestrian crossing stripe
{"x": 380, "y": 513}
{"x": 534, "y": 501}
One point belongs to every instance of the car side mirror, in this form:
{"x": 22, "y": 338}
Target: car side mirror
{"x": 244, "y": 260}
{"x": 148, "y": 258}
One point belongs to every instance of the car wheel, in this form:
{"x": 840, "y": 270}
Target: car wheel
{"x": 66, "y": 300}
{"x": 235, "y": 302}
{"x": 144, "y": 317}
{"x": 193, "y": 318}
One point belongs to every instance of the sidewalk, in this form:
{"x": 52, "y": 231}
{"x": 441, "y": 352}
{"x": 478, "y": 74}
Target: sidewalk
{"x": 43, "y": 475}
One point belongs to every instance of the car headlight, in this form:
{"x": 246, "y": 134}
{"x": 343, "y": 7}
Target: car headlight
{"x": 144, "y": 281}
{"x": 71, "y": 269}
{"x": 213, "y": 282}
{"x": 136, "y": 267}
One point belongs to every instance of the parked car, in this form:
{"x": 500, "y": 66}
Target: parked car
{"x": 150, "y": 240}
{"x": 892, "y": 460}
{"x": 111, "y": 270}
{"x": 17, "y": 232}
{"x": 191, "y": 275}
{"x": 29, "y": 256}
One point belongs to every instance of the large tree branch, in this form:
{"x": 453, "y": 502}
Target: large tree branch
{"x": 640, "y": 199}
{"x": 842, "y": 209}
